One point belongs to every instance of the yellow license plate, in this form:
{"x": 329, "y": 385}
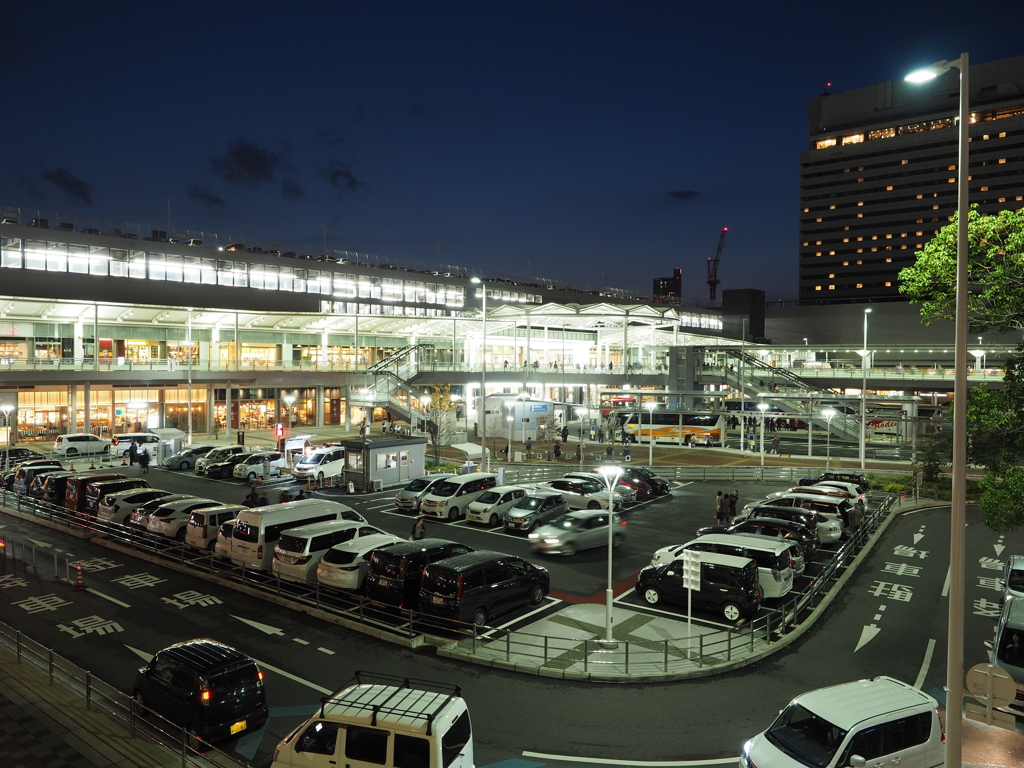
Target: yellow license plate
{"x": 238, "y": 727}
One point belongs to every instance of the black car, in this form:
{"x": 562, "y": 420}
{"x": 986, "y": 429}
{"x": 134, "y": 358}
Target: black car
{"x": 91, "y": 231}
{"x": 659, "y": 485}
{"x": 856, "y": 478}
{"x": 773, "y": 528}
{"x": 210, "y": 689}
{"x": 728, "y": 585}
{"x": 14, "y": 456}
{"x": 394, "y": 573}
{"x": 480, "y": 585}
{"x": 50, "y": 487}
{"x": 225, "y": 467}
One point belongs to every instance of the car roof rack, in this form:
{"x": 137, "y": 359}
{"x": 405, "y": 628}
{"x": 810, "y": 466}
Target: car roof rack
{"x": 399, "y": 707}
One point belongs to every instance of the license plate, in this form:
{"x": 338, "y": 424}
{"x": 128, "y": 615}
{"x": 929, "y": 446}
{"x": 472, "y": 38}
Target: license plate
{"x": 238, "y": 727}
{"x": 436, "y": 600}
{"x": 383, "y": 582}
{"x": 513, "y": 525}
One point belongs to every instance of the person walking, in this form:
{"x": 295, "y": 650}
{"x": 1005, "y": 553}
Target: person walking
{"x": 144, "y": 461}
{"x": 565, "y": 433}
{"x": 384, "y": 427}
{"x": 419, "y": 530}
{"x": 600, "y": 435}
{"x": 133, "y": 453}
{"x": 721, "y": 509}
{"x": 627, "y": 454}
{"x": 251, "y": 499}
{"x": 558, "y": 451}
{"x": 263, "y": 501}
{"x": 775, "y": 445}
{"x": 528, "y": 444}
{"x": 608, "y": 451}
{"x": 734, "y": 498}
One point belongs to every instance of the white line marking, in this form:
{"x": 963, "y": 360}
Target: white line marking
{"x": 652, "y": 763}
{"x": 542, "y": 607}
{"x": 945, "y": 587}
{"x": 326, "y": 650}
{"x": 107, "y": 597}
{"x": 300, "y": 641}
{"x": 672, "y": 614}
{"x": 290, "y": 676}
{"x": 925, "y": 664}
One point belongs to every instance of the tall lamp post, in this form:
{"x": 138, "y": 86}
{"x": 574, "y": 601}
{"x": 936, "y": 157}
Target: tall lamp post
{"x": 509, "y": 420}
{"x": 828, "y": 413}
{"x": 6, "y": 408}
{"x": 762, "y": 407}
{"x": 581, "y": 414}
{"x": 957, "y": 539}
{"x": 650, "y": 438}
{"x": 289, "y": 401}
{"x": 611, "y": 479}
{"x": 864, "y": 392}
{"x": 483, "y": 376}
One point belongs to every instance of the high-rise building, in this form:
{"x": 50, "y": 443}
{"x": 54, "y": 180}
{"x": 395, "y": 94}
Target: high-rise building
{"x": 669, "y": 289}
{"x": 878, "y": 177}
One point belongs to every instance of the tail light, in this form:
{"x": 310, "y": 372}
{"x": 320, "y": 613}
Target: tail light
{"x": 792, "y": 564}
{"x": 622, "y": 522}
{"x": 205, "y": 694}
{"x": 302, "y": 560}
{"x": 259, "y": 675}
{"x": 458, "y": 589}
{"x": 259, "y": 552}
{"x": 205, "y": 532}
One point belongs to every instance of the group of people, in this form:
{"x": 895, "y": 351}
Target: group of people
{"x": 253, "y": 499}
{"x": 138, "y": 455}
{"x": 725, "y": 507}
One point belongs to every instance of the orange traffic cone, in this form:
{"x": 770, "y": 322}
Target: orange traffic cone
{"x": 124, "y": 461}
{"x": 72, "y": 467}
{"x": 79, "y": 584}
{"x": 92, "y": 464}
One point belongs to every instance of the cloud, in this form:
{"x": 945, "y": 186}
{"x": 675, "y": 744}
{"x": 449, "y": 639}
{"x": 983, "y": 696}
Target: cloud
{"x": 245, "y": 163}
{"x": 74, "y": 187}
{"x": 30, "y": 187}
{"x": 683, "y": 196}
{"x": 292, "y": 191}
{"x": 340, "y": 176}
{"x": 331, "y": 138}
{"x": 203, "y": 195}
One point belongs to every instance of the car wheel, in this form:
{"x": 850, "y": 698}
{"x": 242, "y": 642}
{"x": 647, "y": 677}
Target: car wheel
{"x": 593, "y": 505}
{"x": 252, "y": 476}
{"x": 617, "y": 540}
{"x": 651, "y": 595}
{"x": 569, "y": 549}
{"x": 453, "y": 514}
{"x": 319, "y": 477}
{"x": 184, "y": 465}
{"x": 492, "y": 520}
{"x": 194, "y": 741}
{"x": 140, "y": 704}
{"x": 225, "y": 474}
{"x": 536, "y": 595}
{"x": 731, "y": 612}
{"x": 211, "y": 546}
{"x": 180, "y": 535}
{"x": 480, "y": 617}
{"x": 71, "y": 452}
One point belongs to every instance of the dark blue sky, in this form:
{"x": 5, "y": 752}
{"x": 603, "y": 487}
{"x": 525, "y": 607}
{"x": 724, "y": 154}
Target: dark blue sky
{"x": 602, "y": 142}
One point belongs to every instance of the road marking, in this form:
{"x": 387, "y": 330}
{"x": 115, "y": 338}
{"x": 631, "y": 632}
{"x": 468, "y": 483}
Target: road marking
{"x": 998, "y": 546}
{"x": 107, "y": 597}
{"x": 147, "y": 657}
{"x": 925, "y": 664}
{"x": 328, "y": 651}
{"x": 945, "y": 587}
{"x": 649, "y": 763}
{"x": 261, "y": 627}
{"x": 673, "y": 614}
{"x": 542, "y": 607}
{"x": 919, "y": 535}
{"x": 39, "y": 543}
{"x": 867, "y": 634}
{"x": 300, "y": 641}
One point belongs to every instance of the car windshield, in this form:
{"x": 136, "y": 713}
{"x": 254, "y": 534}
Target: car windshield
{"x": 445, "y": 489}
{"x": 489, "y": 498}
{"x": 566, "y": 522}
{"x": 313, "y": 459}
{"x": 1015, "y": 580}
{"x": 418, "y": 485}
{"x": 529, "y": 502}
{"x": 441, "y": 582}
{"x": 590, "y": 487}
{"x": 805, "y": 737}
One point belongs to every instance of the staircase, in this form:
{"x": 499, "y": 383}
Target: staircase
{"x": 389, "y": 388}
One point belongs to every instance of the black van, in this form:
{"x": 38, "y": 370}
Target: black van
{"x": 212, "y": 690}
{"x": 44, "y": 486}
{"x": 479, "y": 585}
{"x": 394, "y": 573}
{"x": 94, "y": 492}
{"x": 728, "y": 584}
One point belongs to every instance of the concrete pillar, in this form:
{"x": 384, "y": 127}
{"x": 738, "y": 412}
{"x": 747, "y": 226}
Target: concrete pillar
{"x": 346, "y": 392}
{"x": 319, "y": 406}
{"x": 227, "y": 402}
{"x": 78, "y": 343}
{"x": 73, "y": 410}
{"x": 625, "y": 344}
{"x": 286, "y": 356}
{"x": 209, "y": 410}
{"x": 87, "y": 405}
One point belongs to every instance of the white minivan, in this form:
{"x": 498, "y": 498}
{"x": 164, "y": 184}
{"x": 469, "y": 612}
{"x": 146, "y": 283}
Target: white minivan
{"x": 380, "y": 720}
{"x": 451, "y": 498}
{"x": 775, "y": 568}
{"x": 203, "y": 524}
{"x": 490, "y": 506}
{"x": 297, "y": 553}
{"x": 257, "y": 530}
{"x": 321, "y": 463}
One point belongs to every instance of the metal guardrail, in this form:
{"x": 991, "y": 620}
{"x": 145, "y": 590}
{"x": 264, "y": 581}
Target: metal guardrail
{"x": 100, "y": 696}
{"x": 631, "y": 657}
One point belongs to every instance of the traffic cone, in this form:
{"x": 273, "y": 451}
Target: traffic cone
{"x": 124, "y": 461}
{"x": 72, "y": 467}
{"x": 79, "y": 584}
{"x": 92, "y": 464}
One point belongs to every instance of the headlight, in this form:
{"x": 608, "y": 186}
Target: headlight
{"x": 550, "y": 541}
{"x": 533, "y": 536}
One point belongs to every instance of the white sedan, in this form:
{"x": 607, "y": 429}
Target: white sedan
{"x": 344, "y": 566}
{"x": 580, "y": 494}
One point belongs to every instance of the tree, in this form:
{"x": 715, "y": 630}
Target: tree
{"x": 441, "y": 424}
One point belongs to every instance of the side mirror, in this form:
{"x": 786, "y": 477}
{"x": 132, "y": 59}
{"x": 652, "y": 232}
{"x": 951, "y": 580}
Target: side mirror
{"x": 856, "y": 761}
{"x": 670, "y": 573}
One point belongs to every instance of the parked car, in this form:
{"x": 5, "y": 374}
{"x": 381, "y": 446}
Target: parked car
{"x": 171, "y": 519}
{"x": 816, "y": 490}
{"x": 829, "y": 506}
{"x": 533, "y": 510}
{"x": 118, "y": 507}
{"x": 728, "y": 585}
{"x": 75, "y": 488}
{"x": 1013, "y": 576}
{"x": 224, "y": 467}
{"x": 623, "y": 487}
{"x": 449, "y": 499}
{"x": 490, "y": 506}
{"x": 569, "y": 533}
{"x": 210, "y": 689}
{"x": 478, "y": 586}
{"x": 659, "y": 485}
{"x": 95, "y": 491}
{"x": 582, "y": 494}
{"x": 222, "y": 546}
{"x": 234, "y": 247}
{"x": 144, "y": 441}
{"x": 297, "y": 553}
{"x": 217, "y": 455}
{"x": 394, "y": 575}
{"x": 772, "y": 528}
{"x": 204, "y": 524}
{"x": 90, "y": 231}
{"x": 408, "y": 499}
{"x": 321, "y": 463}
{"x": 194, "y": 242}
{"x": 54, "y": 486}
{"x": 39, "y": 223}
{"x": 344, "y": 566}
{"x": 776, "y": 568}
{"x": 252, "y": 465}
{"x": 186, "y": 457}
{"x": 829, "y": 529}
{"x": 80, "y": 443}
{"x": 140, "y": 516}
{"x": 26, "y": 473}
{"x": 14, "y": 456}
{"x": 856, "y": 478}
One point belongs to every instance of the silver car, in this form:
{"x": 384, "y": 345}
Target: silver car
{"x": 408, "y": 499}
{"x": 583, "y": 494}
{"x": 628, "y": 494}
{"x": 534, "y": 510}
{"x": 571, "y": 532}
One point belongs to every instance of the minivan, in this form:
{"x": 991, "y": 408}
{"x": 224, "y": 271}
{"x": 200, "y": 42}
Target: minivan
{"x": 408, "y": 498}
{"x": 144, "y": 441}
{"x": 1006, "y": 650}
{"x": 450, "y": 498}
{"x": 74, "y": 493}
{"x": 728, "y": 585}
{"x": 257, "y": 530}
{"x": 216, "y": 455}
{"x": 53, "y": 487}
{"x": 117, "y": 507}
{"x": 208, "y": 688}
{"x": 480, "y": 585}
{"x": 203, "y": 524}
{"x": 1013, "y": 576}
{"x": 97, "y": 489}
{"x": 170, "y": 520}
{"x": 251, "y": 466}
{"x": 297, "y": 553}
{"x": 839, "y": 508}
{"x": 25, "y": 474}
{"x": 881, "y": 721}
{"x": 394, "y": 573}
{"x": 321, "y": 463}
{"x": 830, "y": 529}
{"x": 491, "y": 505}
{"x": 775, "y": 568}
{"x": 380, "y": 720}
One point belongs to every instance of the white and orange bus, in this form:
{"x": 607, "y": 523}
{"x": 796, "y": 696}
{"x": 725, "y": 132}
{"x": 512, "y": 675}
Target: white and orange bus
{"x": 679, "y": 427}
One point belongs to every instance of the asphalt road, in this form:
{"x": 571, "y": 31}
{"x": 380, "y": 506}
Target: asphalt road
{"x": 702, "y": 719}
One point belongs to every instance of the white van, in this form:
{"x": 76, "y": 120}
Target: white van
{"x": 321, "y": 463}
{"x": 451, "y": 498}
{"x": 217, "y": 455}
{"x": 1007, "y": 650}
{"x": 251, "y": 466}
{"x": 297, "y": 553}
{"x": 203, "y": 524}
{"x": 868, "y": 722}
{"x": 385, "y": 721}
{"x": 146, "y": 441}
{"x": 775, "y": 572}
{"x": 258, "y": 529}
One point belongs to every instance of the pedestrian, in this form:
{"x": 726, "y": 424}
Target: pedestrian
{"x": 624, "y": 439}
{"x": 558, "y": 451}
{"x": 627, "y": 454}
{"x": 608, "y": 451}
{"x": 251, "y": 499}
{"x": 528, "y": 444}
{"x": 133, "y": 453}
{"x": 362, "y": 431}
{"x": 734, "y": 498}
{"x": 419, "y": 530}
{"x": 600, "y": 435}
{"x": 144, "y": 461}
{"x": 263, "y": 501}
{"x": 384, "y": 427}
{"x": 775, "y": 445}
{"x": 721, "y": 509}
{"x": 565, "y": 433}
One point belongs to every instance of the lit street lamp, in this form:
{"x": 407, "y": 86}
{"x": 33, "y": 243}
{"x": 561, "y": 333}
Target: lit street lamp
{"x": 289, "y": 401}
{"x": 828, "y": 413}
{"x": 957, "y": 520}
{"x": 762, "y": 407}
{"x": 864, "y": 392}
{"x": 509, "y": 420}
{"x": 650, "y": 438}
{"x": 611, "y": 478}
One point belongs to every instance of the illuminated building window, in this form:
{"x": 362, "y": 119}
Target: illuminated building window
{"x": 873, "y": 250}
{"x": 951, "y": 181}
{"x": 903, "y": 247}
{"x": 846, "y": 239}
{"x": 859, "y": 180}
{"x": 825, "y": 143}
{"x": 859, "y": 261}
{"x": 807, "y": 243}
{"x": 817, "y": 242}
{"x": 855, "y": 138}
{"x": 888, "y": 284}
{"x": 832, "y": 207}
{"x": 832, "y": 276}
{"x": 860, "y": 215}
{"x": 888, "y": 237}
{"x": 920, "y": 197}
{"x": 874, "y": 237}
{"x": 831, "y": 253}
{"x": 951, "y": 168}
{"x": 904, "y": 162}
{"x": 818, "y": 221}
{"x": 860, "y": 239}
{"x": 889, "y": 188}
{"x": 861, "y": 202}
{"x": 831, "y": 287}
{"x": 1002, "y": 135}
{"x": 919, "y": 233}
{"x": 846, "y": 263}
{"x": 818, "y": 253}
{"x": 903, "y": 234}
{"x": 983, "y": 189}
{"x": 817, "y": 287}
{"x": 881, "y": 133}
{"x": 860, "y": 285}
{"x": 1002, "y": 160}
{"x": 919, "y": 245}
{"x": 889, "y": 260}
{"x": 1002, "y": 199}
{"x": 935, "y": 207}
{"x": 807, "y": 210}
{"x": 860, "y": 250}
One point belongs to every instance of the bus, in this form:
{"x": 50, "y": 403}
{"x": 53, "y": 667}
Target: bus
{"x": 679, "y": 427}
{"x": 610, "y": 403}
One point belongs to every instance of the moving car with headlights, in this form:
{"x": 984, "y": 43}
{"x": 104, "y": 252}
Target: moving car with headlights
{"x": 171, "y": 519}
{"x": 490, "y": 506}
{"x": 320, "y": 464}
{"x": 186, "y": 458}
{"x": 204, "y": 524}
{"x": 728, "y": 585}
{"x": 79, "y": 444}
{"x": 450, "y": 498}
{"x": 408, "y": 499}
{"x": 583, "y": 494}
{"x": 569, "y": 533}
{"x": 217, "y": 455}
{"x": 829, "y": 529}
{"x": 344, "y": 566}
{"x": 533, "y": 510}
{"x": 298, "y": 551}
{"x": 480, "y": 585}
{"x": 876, "y": 722}
{"x": 776, "y": 569}
{"x": 211, "y": 690}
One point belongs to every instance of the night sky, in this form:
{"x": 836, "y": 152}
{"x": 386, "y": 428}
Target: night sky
{"x": 599, "y": 142}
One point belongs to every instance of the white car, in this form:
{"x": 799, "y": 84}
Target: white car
{"x": 80, "y": 444}
{"x": 581, "y": 494}
{"x": 171, "y": 519}
{"x": 321, "y": 463}
{"x": 217, "y": 455}
{"x": 222, "y": 545}
{"x": 251, "y": 466}
{"x": 139, "y": 518}
{"x": 490, "y": 506}
{"x": 344, "y": 566}
{"x": 628, "y": 494}
{"x": 144, "y": 441}
{"x": 852, "y": 490}
{"x": 813, "y": 490}
{"x": 118, "y": 507}
{"x": 204, "y": 524}
{"x": 297, "y": 553}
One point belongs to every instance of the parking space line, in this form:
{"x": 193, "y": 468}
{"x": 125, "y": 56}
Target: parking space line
{"x": 545, "y": 604}
{"x": 641, "y": 763}
{"x": 107, "y": 597}
{"x": 672, "y": 614}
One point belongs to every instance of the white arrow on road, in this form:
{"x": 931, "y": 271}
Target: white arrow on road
{"x": 266, "y": 628}
{"x": 918, "y": 537}
{"x": 40, "y": 543}
{"x": 866, "y": 636}
{"x": 999, "y": 549}
{"x": 147, "y": 657}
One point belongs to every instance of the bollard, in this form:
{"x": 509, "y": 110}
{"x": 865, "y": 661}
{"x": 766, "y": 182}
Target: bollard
{"x": 666, "y": 655}
{"x": 545, "y": 650}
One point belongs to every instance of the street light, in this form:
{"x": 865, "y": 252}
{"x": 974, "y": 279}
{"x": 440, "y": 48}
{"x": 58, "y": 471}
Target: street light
{"x": 581, "y": 414}
{"x": 6, "y": 408}
{"x": 864, "y": 392}
{"x": 611, "y": 476}
{"x": 762, "y": 407}
{"x": 650, "y": 438}
{"x": 828, "y": 413}
{"x": 483, "y": 376}
{"x": 509, "y": 420}
{"x": 958, "y": 517}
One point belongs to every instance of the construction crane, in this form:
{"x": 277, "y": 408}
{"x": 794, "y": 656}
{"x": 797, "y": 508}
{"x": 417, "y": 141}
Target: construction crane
{"x": 713, "y": 280}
